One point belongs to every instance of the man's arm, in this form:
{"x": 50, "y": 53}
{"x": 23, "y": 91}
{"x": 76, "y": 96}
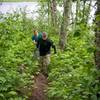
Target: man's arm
{"x": 54, "y": 47}
{"x": 33, "y": 40}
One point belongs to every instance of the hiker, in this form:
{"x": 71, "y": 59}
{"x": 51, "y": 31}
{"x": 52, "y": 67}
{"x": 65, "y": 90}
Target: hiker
{"x": 44, "y": 44}
{"x": 35, "y": 38}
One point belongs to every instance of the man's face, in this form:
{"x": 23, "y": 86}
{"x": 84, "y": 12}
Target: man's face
{"x": 35, "y": 32}
{"x": 44, "y": 37}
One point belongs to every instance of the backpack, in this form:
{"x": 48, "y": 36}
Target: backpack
{"x": 39, "y": 35}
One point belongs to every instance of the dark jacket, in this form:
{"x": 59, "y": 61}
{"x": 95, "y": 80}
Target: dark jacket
{"x": 45, "y": 46}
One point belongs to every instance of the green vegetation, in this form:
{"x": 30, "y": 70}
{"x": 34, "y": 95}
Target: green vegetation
{"x": 17, "y": 0}
{"x": 72, "y": 72}
{"x": 16, "y": 65}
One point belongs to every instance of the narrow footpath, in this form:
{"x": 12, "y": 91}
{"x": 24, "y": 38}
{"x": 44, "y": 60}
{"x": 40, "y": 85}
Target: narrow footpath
{"x": 39, "y": 92}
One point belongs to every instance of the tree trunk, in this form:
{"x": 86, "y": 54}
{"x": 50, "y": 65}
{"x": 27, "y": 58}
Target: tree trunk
{"x": 97, "y": 35}
{"x": 53, "y": 12}
{"x": 88, "y": 12}
{"x": 48, "y": 12}
{"x": 84, "y": 3}
{"x": 97, "y": 42}
{"x": 77, "y": 11}
{"x": 65, "y": 24}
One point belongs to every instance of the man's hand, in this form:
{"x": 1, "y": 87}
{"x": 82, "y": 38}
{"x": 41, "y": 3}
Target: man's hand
{"x": 34, "y": 42}
{"x": 55, "y": 52}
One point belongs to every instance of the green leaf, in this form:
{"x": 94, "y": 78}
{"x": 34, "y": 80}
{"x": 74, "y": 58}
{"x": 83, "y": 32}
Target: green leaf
{"x": 12, "y": 93}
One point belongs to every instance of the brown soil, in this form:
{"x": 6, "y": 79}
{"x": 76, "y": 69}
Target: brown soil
{"x": 39, "y": 92}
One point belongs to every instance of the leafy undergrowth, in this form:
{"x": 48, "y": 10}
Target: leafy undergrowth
{"x": 72, "y": 73}
{"x": 16, "y": 63}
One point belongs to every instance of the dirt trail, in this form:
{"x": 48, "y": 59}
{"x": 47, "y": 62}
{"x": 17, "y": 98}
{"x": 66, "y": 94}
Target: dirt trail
{"x": 40, "y": 87}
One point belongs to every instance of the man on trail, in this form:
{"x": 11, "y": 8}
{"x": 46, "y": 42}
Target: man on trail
{"x": 44, "y": 44}
{"x": 35, "y": 37}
